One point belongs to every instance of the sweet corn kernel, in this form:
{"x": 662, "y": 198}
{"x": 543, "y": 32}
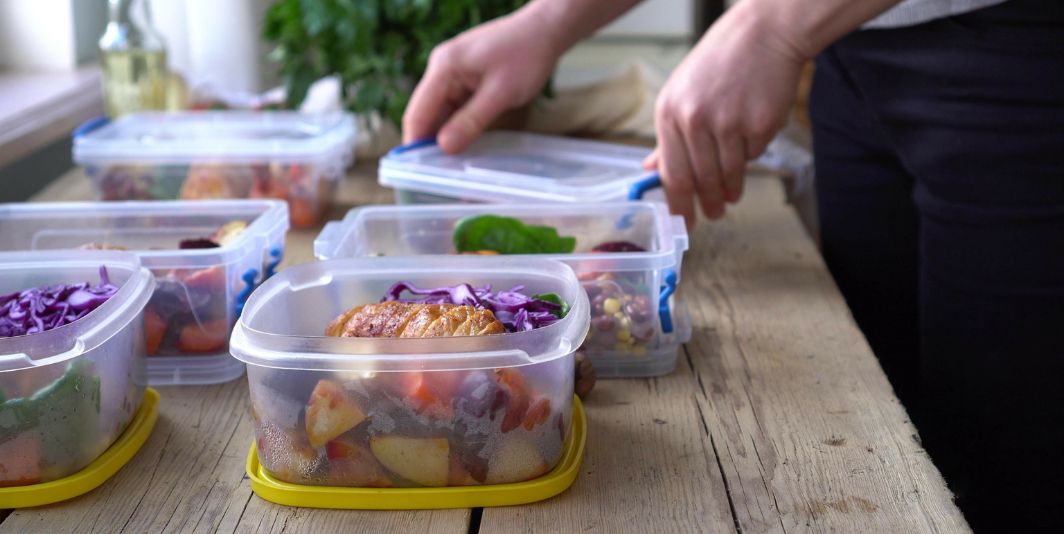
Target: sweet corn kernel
{"x": 611, "y": 306}
{"x": 624, "y": 335}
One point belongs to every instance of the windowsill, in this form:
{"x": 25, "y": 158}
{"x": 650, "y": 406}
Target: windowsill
{"x": 39, "y": 108}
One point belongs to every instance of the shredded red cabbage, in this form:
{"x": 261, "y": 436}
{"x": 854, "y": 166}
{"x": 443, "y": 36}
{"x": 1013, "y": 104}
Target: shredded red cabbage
{"x": 515, "y": 310}
{"x": 41, "y": 309}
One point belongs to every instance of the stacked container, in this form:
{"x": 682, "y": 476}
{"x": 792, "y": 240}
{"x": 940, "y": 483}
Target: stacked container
{"x": 636, "y": 325}
{"x": 225, "y": 154}
{"x": 389, "y": 413}
{"x": 198, "y": 294}
{"x": 67, "y": 394}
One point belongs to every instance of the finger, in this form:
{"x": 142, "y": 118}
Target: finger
{"x": 702, "y": 152}
{"x": 676, "y": 175}
{"x": 650, "y": 163}
{"x": 488, "y": 101}
{"x": 429, "y": 106}
{"x": 731, "y": 151}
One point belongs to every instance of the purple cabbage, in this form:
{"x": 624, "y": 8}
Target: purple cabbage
{"x": 516, "y": 311}
{"x": 41, "y": 309}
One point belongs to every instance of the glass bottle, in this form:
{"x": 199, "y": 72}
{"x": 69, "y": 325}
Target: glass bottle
{"x": 134, "y": 60}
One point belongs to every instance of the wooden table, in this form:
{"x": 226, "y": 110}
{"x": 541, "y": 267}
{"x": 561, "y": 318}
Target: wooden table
{"x": 777, "y": 418}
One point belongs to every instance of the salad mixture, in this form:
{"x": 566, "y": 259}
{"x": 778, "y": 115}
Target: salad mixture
{"x": 189, "y": 312}
{"x": 40, "y": 309}
{"x": 423, "y": 428}
{"x": 299, "y": 185}
{"x": 623, "y": 316}
{"x": 50, "y": 431}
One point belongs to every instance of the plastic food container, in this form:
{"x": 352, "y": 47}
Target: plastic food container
{"x": 637, "y": 326}
{"x": 513, "y": 167}
{"x": 224, "y": 154}
{"x": 69, "y": 392}
{"x": 198, "y": 293}
{"x": 411, "y": 412}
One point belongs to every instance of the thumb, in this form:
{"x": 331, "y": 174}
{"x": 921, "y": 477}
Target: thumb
{"x": 487, "y": 103}
{"x": 650, "y": 163}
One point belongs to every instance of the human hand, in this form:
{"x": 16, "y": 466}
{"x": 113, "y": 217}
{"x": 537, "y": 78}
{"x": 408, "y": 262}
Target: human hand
{"x": 476, "y": 76}
{"x": 720, "y": 108}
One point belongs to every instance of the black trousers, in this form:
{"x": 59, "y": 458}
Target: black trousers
{"x": 940, "y": 175}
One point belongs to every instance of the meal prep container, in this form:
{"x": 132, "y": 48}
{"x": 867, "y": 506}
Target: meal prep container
{"x": 198, "y": 293}
{"x": 513, "y": 167}
{"x": 224, "y": 154}
{"x": 408, "y": 412}
{"x": 69, "y": 392}
{"x": 637, "y": 326}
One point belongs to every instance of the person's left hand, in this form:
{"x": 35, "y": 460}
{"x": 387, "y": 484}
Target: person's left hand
{"x": 720, "y": 108}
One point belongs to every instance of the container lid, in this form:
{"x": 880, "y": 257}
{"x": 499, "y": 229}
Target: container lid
{"x": 142, "y": 226}
{"x": 558, "y": 480}
{"x": 216, "y": 136}
{"x": 283, "y": 322}
{"x": 418, "y": 230}
{"x": 511, "y": 166}
{"x": 99, "y": 471}
{"x": 24, "y": 270}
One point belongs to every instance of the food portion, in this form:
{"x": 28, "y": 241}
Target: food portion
{"x": 40, "y": 309}
{"x": 300, "y": 185}
{"x": 191, "y": 311}
{"x": 623, "y": 318}
{"x": 421, "y": 428}
{"x": 50, "y": 432}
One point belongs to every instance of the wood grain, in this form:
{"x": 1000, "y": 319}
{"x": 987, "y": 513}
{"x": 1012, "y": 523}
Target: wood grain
{"x": 777, "y": 418}
{"x": 797, "y": 421}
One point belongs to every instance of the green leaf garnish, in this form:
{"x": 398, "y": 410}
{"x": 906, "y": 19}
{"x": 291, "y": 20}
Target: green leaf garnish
{"x": 507, "y": 235}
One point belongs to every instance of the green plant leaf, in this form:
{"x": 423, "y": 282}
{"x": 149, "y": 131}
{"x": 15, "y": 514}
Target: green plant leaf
{"x": 507, "y": 235}
{"x": 556, "y": 299}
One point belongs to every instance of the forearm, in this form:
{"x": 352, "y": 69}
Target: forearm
{"x": 805, "y": 27}
{"x": 567, "y": 22}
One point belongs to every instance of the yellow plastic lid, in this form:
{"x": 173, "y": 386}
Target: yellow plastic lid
{"x": 94, "y": 474}
{"x": 544, "y": 487}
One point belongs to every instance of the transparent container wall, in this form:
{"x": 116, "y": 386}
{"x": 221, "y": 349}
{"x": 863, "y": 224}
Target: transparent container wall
{"x": 58, "y": 418}
{"x": 307, "y": 187}
{"x": 412, "y": 428}
{"x": 193, "y": 308}
{"x": 406, "y": 197}
{"x": 624, "y": 301}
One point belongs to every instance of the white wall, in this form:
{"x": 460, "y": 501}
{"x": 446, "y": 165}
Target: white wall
{"x": 37, "y": 35}
{"x": 216, "y": 43}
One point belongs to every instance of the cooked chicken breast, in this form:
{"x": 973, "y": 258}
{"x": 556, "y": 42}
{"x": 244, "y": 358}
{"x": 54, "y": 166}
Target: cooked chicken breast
{"x": 399, "y": 319}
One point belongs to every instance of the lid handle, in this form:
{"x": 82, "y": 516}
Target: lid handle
{"x": 667, "y": 289}
{"x": 90, "y": 125}
{"x": 415, "y": 144}
{"x": 640, "y": 188}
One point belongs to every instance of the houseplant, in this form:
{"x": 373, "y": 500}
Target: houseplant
{"x": 378, "y": 48}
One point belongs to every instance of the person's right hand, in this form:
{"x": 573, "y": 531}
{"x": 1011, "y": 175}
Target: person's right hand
{"x": 478, "y": 75}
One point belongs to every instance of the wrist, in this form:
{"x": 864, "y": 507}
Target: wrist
{"x": 551, "y": 23}
{"x": 767, "y": 24}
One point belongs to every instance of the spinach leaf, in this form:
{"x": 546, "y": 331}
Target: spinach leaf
{"x": 507, "y": 235}
{"x": 555, "y": 299}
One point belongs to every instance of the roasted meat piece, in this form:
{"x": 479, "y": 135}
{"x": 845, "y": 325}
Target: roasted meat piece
{"x": 400, "y": 319}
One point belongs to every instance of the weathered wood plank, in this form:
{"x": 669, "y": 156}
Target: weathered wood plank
{"x": 809, "y": 433}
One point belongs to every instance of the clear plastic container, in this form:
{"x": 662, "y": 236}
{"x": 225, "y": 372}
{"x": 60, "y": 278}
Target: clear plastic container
{"x": 220, "y": 154}
{"x": 66, "y": 394}
{"x": 505, "y": 167}
{"x": 390, "y": 412}
{"x": 199, "y": 292}
{"x": 636, "y": 325}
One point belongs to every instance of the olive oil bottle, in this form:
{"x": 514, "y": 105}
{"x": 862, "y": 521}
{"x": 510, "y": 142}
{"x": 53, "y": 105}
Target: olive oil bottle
{"x": 133, "y": 55}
